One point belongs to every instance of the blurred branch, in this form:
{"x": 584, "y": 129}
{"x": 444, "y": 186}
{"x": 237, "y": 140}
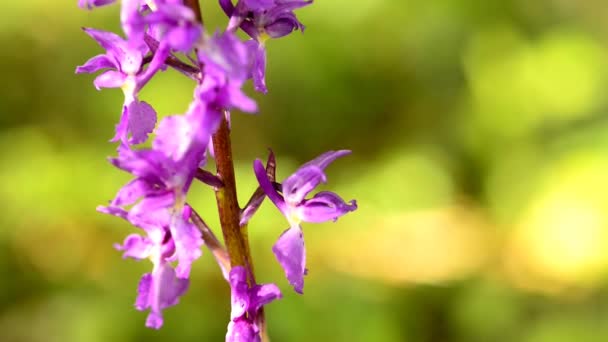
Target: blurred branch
{"x": 211, "y": 241}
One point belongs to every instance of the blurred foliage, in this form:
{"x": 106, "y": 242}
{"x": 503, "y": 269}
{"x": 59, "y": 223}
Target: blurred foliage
{"x": 480, "y": 139}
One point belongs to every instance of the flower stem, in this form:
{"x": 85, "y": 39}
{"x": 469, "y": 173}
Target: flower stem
{"x": 227, "y": 202}
{"x": 235, "y": 235}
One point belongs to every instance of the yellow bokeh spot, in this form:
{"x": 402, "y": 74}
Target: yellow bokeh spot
{"x": 562, "y": 239}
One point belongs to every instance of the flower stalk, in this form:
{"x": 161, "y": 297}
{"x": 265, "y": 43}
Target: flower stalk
{"x": 235, "y": 235}
{"x": 227, "y": 203}
{"x": 172, "y": 233}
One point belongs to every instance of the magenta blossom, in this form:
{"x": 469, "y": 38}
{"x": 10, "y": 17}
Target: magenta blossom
{"x": 323, "y": 206}
{"x": 226, "y": 64}
{"x": 163, "y": 177}
{"x": 161, "y": 288}
{"x": 263, "y": 19}
{"x": 121, "y": 65}
{"x": 246, "y": 304}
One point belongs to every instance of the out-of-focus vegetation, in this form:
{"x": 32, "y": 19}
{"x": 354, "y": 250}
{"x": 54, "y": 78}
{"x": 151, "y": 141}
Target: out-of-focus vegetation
{"x": 480, "y": 138}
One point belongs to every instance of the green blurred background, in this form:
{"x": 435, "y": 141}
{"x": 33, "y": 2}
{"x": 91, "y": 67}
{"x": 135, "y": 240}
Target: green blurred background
{"x": 480, "y": 139}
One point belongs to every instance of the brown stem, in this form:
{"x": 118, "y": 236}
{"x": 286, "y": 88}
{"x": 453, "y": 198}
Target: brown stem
{"x": 235, "y": 235}
{"x": 227, "y": 202}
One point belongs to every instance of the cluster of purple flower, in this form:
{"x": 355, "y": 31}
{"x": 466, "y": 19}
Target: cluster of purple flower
{"x": 157, "y": 33}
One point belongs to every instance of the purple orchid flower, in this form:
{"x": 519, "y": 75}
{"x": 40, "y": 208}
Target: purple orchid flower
{"x": 226, "y": 65}
{"x": 263, "y": 19}
{"x": 246, "y": 304}
{"x": 157, "y": 200}
{"x": 174, "y": 26}
{"x": 174, "y": 23}
{"x": 122, "y": 64}
{"x": 323, "y": 206}
{"x": 163, "y": 177}
{"x": 161, "y": 288}
{"x": 158, "y": 209}
{"x": 170, "y": 23}
{"x": 132, "y": 19}
{"x": 169, "y": 19}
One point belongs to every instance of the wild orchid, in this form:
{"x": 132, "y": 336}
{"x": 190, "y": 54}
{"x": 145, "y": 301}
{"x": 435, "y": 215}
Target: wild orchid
{"x": 157, "y": 35}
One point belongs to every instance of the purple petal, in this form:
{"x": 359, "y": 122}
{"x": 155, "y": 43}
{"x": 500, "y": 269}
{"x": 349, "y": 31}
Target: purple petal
{"x": 282, "y": 26}
{"x": 259, "y": 70}
{"x": 182, "y": 39}
{"x": 249, "y": 28}
{"x": 241, "y": 101}
{"x": 308, "y": 176}
{"x": 124, "y": 55}
{"x": 276, "y": 21}
{"x": 157, "y": 63}
{"x": 157, "y": 291}
{"x": 95, "y": 64}
{"x": 242, "y": 331}
{"x": 112, "y": 210}
{"x": 323, "y": 207}
{"x": 247, "y": 300}
{"x": 131, "y": 19}
{"x": 107, "y": 40}
{"x": 258, "y": 5}
{"x": 327, "y": 158}
{"x": 135, "y": 246}
{"x": 174, "y": 25}
{"x": 217, "y": 91}
{"x": 303, "y": 181}
{"x": 142, "y": 119}
{"x": 227, "y": 54}
{"x": 170, "y": 286}
{"x": 149, "y": 164}
{"x": 286, "y": 6}
{"x": 174, "y": 136}
{"x": 171, "y": 13}
{"x": 188, "y": 242}
{"x": 266, "y": 185}
{"x": 110, "y": 79}
{"x": 132, "y": 191}
{"x": 154, "y": 320}
{"x": 160, "y": 200}
{"x": 291, "y": 254}
{"x": 142, "y": 302}
{"x": 239, "y": 291}
{"x": 151, "y": 211}
{"x": 131, "y": 62}
{"x": 89, "y": 4}
{"x": 261, "y": 295}
{"x": 122, "y": 127}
